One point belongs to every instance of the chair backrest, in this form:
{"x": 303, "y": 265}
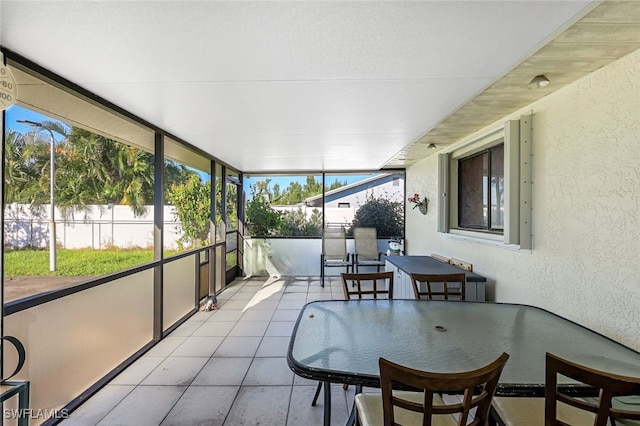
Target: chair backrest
{"x": 368, "y": 286}
{"x": 609, "y": 384}
{"x": 439, "y": 286}
{"x": 478, "y": 387}
{"x": 334, "y": 244}
{"x": 365, "y": 241}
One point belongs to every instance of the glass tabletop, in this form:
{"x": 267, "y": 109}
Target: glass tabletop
{"x": 341, "y": 341}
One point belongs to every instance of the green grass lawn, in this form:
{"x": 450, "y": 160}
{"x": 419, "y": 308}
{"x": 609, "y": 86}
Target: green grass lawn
{"x": 71, "y": 263}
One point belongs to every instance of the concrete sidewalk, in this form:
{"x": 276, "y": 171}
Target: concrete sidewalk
{"x": 19, "y": 287}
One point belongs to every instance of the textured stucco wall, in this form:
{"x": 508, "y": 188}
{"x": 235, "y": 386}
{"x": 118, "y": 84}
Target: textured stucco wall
{"x": 584, "y": 264}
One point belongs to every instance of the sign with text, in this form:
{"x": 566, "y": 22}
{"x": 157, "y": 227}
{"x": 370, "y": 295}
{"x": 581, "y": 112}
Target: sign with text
{"x": 7, "y": 88}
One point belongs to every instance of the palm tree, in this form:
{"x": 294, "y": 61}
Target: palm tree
{"x": 17, "y": 172}
{"x": 91, "y": 169}
{"x": 99, "y": 170}
{"x": 26, "y": 173}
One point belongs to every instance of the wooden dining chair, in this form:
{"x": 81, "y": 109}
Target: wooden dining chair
{"x": 426, "y": 407}
{"x": 374, "y": 285}
{"x": 439, "y": 286}
{"x": 558, "y": 408}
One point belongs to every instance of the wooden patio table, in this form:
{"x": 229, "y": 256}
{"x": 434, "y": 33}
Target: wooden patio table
{"x": 340, "y": 342}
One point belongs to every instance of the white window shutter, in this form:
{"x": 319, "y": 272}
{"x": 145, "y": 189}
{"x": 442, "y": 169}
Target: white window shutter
{"x": 443, "y": 192}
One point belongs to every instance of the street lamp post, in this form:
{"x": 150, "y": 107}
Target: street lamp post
{"x": 52, "y": 207}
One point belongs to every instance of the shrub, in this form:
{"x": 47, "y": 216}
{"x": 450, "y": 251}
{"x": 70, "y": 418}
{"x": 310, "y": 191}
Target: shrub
{"x": 385, "y": 215}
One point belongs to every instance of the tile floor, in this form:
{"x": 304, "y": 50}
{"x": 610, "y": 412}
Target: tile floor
{"x": 224, "y": 367}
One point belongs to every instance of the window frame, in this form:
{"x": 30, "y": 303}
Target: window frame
{"x": 517, "y": 137}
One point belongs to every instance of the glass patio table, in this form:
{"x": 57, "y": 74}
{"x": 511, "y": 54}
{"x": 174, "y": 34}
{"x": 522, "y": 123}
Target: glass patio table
{"x": 341, "y": 341}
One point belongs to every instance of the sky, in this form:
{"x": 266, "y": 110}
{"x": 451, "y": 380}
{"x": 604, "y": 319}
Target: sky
{"x": 15, "y": 113}
{"x": 284, "y": 181}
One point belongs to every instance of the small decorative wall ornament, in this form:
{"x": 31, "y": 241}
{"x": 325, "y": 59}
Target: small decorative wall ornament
{"x": 421, "y": 204}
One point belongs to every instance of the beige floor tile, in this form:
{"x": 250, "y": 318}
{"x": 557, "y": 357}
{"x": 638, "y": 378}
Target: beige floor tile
{"x": 186, "y": 329}
{"x": 260, "y": 405}
{"x": 262, "y": 304}
{"x": 245, "y": 295}
{"x": 277, "y": 286}
{"x": 302, "y": 413}
{"x": 166, "y": 346}
{"x": 200, "y": 316}
{"x": 202, "y": 406}
{"x": 257, "y": 315}
{"x": 179, "y": 371}
{"x": 226, "y": 315}
{"x": 280, "y": 328}
{"x": 298, "y": 281}
{"x": 319, "y": 290}
{"x": 268, "y": 372}
{"x": 137, "y": 372}
{"x": 198, "y": 346}
{"x": 286, "y": 315}
{"x": 292, "y": 304}
{"x": 238, "y": 347}
{"x": 294, "y": 296}
{"x": 301, "y": 381}
{"x": 249, "y": 328}
{"x": 98, "y": 406}
{"x": 273, "y": 347}
{"x": 312, "y": 297}
{"x": 235, "y": 304}
{"x": 144, "y": 406}
{"x": 223, "y": 298}
{"x": 223, "y": 372}
{"x": 299, "y": 289}
{"x": 214, "y": 328}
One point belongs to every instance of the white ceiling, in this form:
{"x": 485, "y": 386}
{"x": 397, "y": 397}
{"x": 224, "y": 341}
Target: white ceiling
{"x": 287, "y": 86}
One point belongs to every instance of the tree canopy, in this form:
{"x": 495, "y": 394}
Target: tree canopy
{"x": 90, "y": 169}
{"x": 385, "y": 215}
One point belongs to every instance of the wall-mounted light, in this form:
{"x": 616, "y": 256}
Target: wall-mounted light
{"x": 431, "y": 146}
{"x": 538, "y": 82}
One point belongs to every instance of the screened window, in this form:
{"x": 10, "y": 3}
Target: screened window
{"x": 372, "y": 200}
{"x": 78, "y": 190}
{"x": 481, "y": 190}
{"x": 187, "y": 199}
{"x": 284, "y": 206}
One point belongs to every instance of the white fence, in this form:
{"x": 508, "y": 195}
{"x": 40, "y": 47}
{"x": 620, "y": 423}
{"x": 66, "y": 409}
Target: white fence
{"x": 99, "y": 227}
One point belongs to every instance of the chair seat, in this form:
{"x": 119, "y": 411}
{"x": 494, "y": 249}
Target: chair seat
{"x": 630, "y": 403}
{"x": 530, "y": 412}
{"x": 372, "y": 262}
{"x": 336, "y": 262}
{"x": 370, "y": 411}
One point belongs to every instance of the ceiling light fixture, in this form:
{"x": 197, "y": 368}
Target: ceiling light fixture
{"x": 538, "y": 82}
{"x": 431, "y": 146}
